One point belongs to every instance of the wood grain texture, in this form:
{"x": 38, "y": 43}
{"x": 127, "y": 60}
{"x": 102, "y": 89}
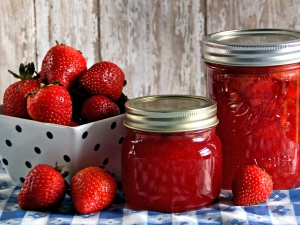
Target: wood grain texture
{"x": 231, "y": 14}
{"x": 17, "y": 39}
{"x": 71, "y": 22}
{"x": 156, "y": 42}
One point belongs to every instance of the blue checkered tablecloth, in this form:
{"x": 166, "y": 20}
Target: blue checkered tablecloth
{"x": 282, "y": 208}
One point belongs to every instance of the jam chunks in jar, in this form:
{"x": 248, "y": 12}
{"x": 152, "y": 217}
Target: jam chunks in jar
{"x": 254, "y": 76}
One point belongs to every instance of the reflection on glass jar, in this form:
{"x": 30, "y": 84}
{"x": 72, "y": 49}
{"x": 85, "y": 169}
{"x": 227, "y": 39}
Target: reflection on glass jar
{"x": 258, "y": 105}
{"x": 171, "y": 166}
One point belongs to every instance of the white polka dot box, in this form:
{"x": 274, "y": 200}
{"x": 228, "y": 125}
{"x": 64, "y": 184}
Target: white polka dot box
{"x": 26, "y": 143}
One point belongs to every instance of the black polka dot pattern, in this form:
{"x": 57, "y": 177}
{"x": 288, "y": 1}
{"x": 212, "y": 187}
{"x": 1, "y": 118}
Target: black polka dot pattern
{"x": 49, "y": 135}
{"x": 8, "y": 143}
{"x": 67, "y": 158}
{"x": 121, "y": 140}
{"x": 84, "y": 135}
{"x": 18, "y": 128}
{"x": 28, "y": 164}
{"x": 5, "y": 162}
{"x": 39, "y": 150}
{"x": 113, "y": 125}
{"x": 97, "y": 147}
{"x": 105, "y": 161}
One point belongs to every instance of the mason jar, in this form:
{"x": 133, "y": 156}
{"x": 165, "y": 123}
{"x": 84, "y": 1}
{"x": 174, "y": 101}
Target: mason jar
{"x": 171, "y": 156}
{"x": 254, "y": 77}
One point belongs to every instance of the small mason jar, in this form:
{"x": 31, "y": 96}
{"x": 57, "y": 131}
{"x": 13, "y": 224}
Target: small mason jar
{"x": 254, "y": 75}
{"x": 171, "y": 156}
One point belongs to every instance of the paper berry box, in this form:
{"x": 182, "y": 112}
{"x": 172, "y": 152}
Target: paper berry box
{"x": 26, "y": 143}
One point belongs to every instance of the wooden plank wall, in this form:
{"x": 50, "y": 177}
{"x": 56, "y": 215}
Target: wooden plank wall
{"x": 156, "y": 42}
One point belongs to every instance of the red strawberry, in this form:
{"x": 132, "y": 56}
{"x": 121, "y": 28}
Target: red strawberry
{"x": 251, "y": 185}
{"x": 92, "y": 189}
{"x": 43, "y": 188}
{"x": 98, "y": 107}
{"x": 103, "y": 78}
{"x": 50, "y": 104}
{"x": 63, "y": 63}
{"x": 73, "y": 124}
{"x": 14, "y": 100}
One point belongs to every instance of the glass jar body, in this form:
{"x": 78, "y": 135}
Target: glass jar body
{"x": 258, "y": 111}
{"x": 171, "y": 172}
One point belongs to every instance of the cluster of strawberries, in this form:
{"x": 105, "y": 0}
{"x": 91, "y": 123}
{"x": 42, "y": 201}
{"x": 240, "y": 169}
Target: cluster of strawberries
{"x": 91, "y": 189}
{"x": 68, "y": 93}
{"x": 65, "y": 92}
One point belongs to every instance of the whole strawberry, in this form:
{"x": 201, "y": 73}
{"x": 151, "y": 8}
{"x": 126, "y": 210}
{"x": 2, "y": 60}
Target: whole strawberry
{"x": 43, "y": 188}
{"x": 98, "y": 107}
{"x": 63, "y": 63}
{"x": 92, "y": 189}
{"x": 103, "y": 78}
{"x": 251, "y": 185}
{"x": 51, "y": 104}
{"x": 14, "y": 99}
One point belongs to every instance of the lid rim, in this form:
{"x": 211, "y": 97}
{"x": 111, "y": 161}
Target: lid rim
{"x": 170, "y": 113}
{"x": 243, "y": 47}
{"x": 170, "y": 130}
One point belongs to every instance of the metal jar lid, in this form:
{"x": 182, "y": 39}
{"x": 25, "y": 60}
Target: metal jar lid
{"x": 252, "y": 47}
{"x": 170, "y": 113}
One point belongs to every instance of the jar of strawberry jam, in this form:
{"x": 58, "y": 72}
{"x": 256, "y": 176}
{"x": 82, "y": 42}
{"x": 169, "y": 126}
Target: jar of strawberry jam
{"x": 254, "y": 75}
{"x": 171, "y": 156}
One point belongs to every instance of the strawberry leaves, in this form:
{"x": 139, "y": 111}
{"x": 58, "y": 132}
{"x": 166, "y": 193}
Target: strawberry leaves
{"x": 26, "y": 72}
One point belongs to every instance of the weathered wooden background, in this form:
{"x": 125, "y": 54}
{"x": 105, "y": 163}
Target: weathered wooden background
{"x": 156, "y": 42}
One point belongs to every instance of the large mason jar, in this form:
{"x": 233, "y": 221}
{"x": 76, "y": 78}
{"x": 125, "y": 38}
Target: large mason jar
{"x": 254, "y": 76}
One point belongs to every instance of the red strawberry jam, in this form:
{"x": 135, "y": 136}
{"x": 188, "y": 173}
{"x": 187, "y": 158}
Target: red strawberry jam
{"x": 259, "y": 120}
{"x": 165, "y": 168}
{"x": 257, "y": 94}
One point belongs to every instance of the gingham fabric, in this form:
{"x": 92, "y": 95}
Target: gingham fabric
{"x": 282, "y": 208}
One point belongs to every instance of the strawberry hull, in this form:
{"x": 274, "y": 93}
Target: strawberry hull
{"x": 27, "y": 143}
